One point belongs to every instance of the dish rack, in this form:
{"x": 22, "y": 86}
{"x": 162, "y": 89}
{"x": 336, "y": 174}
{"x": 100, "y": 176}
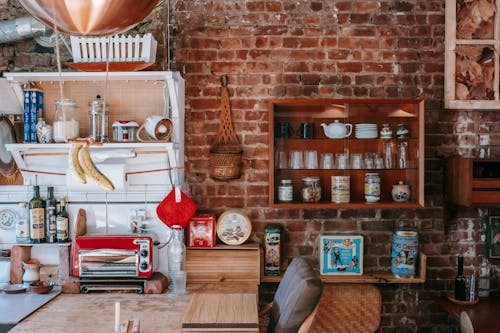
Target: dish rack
{"x": 117, "y": 48}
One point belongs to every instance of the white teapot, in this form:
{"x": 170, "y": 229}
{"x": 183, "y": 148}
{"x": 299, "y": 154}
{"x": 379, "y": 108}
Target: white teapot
{"x": 337, "y": 130}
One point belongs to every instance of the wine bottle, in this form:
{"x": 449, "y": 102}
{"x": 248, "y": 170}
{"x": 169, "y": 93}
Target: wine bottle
{"x": 50, "y": 216}
{"x": 37, "y": 217}
{"x": 62, "y": 223}
{"x": 460, "y": 281}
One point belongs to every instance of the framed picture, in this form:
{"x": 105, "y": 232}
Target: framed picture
{"x": 341, "y": 254}
{"x": 493, "y": 236}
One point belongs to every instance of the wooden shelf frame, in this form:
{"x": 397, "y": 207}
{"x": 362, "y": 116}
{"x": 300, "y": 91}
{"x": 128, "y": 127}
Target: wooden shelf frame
{"x": 450, "y": 100}
{"x": 371, "y": 277}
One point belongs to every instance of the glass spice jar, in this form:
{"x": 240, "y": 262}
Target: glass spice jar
{"x": 311, "y": 189}
{"x": 285, "y": 190}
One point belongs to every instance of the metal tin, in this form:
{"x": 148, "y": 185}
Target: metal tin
{"x": 272, "y": 250}
{"x": 404, "y": 256}
{"x": 33, "y": 109}
{"x": 311, "y": 189}
{"x": 341, "y": 189}
{"x": 372, "y": 187}
{"x": 285, "y": 190}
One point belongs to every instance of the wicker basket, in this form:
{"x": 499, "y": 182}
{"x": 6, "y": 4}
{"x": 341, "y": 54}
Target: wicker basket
{"x": 226, "y": 156}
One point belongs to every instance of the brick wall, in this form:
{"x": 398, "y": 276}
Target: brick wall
{"x": 307, "y": 48}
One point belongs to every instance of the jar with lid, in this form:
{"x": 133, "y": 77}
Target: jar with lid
{"x": 311, "y": 189}
{"x": 372, "y": 187}
{"x": 285, "y": 190}
{"x": 98, "y": 120}
{"x": 66, "y": 125}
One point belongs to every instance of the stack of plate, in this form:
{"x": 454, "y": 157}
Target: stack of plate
{"x": 366, "y": 131}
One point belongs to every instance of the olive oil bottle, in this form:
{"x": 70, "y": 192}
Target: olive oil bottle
{"x": 37, "y": 217}
{"x": 50, "y": 216}
{"x": 62, "y": 223}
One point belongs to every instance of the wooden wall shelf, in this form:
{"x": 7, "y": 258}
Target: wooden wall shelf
{"x": 293, "y": 113}
{"x": 372, "y": 277}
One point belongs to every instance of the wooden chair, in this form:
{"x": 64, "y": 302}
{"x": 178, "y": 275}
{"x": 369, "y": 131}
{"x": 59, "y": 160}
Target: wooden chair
{"x": 296, "y": 301}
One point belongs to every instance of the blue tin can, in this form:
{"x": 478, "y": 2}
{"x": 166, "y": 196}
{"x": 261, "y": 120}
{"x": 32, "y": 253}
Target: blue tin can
{"x": 33, "y": 109}
{"x": 404, "y": 253}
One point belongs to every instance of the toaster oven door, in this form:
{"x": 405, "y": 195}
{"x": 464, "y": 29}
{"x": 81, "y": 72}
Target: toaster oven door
{"x": 108, "y": 262}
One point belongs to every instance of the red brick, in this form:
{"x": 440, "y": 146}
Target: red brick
{"x": 350, "y": 66}
{"x": 273, "y": 6}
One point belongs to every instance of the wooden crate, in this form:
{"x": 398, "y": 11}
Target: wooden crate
{"x": 223, "y": 263}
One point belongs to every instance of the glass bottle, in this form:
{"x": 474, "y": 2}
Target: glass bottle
{"x": 460, "y": 281}
{"x": 37, "y": 217}
{"x": 23, "y": 224}
{"x": 483, "y": 289}
{"x": 50, "y": 216}
{"x": 176, "y": 250}
{"x": 66, "y": 125}
{"x": 62, "y": 223}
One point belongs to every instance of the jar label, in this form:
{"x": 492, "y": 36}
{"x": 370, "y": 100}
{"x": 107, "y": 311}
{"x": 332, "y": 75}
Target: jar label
{"x": 37, "y": 223}
{"x": 285, "y": 193}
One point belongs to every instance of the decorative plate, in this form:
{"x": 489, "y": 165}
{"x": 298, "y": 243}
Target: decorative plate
{"x": 123, "y": 66}
{"x": 8, "y": 219}
{"x": 15, "y": 289}
{"x": 234, "y": 227}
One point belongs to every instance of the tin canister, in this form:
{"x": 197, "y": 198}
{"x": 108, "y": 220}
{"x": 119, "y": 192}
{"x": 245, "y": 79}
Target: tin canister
{"x": 404, "y": 252}
{"x": 272, "y": 250}
{"x": 341, "y": 189}
{"x": 33, "y": 109}
{"x": 372, "y": 187}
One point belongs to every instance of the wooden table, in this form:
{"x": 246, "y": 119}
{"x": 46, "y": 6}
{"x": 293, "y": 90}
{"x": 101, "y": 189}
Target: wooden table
{"x": 94, "y": 312}
{"x": 484, "y": 315}
{"x": 221, "y": 313}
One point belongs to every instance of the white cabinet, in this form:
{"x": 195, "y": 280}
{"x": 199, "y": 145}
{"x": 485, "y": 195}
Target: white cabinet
{"x": 129, "y": 96}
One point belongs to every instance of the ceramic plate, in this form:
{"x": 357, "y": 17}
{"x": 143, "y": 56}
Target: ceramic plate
{"x": 15, "y": 289}
{"x": 8, "y": 218}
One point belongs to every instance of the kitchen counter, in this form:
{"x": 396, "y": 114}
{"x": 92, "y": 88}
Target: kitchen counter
{"x": 94, "y": 312}
{"x": 15, "y": 307}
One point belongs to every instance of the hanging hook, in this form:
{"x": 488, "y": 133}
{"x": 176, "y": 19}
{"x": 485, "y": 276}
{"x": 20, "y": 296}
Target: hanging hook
{"x": 223, "y": 80}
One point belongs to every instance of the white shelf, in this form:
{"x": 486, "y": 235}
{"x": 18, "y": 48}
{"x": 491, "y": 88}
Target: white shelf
{"x": 23, "y": 77}
{"x": 65, "y": 146}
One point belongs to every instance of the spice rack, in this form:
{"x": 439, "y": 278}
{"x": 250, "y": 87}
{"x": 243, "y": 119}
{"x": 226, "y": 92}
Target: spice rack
{"x": 296, "y": 112}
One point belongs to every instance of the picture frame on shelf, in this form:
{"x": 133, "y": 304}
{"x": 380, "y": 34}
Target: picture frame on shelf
{"x": 340, "y": 254}
{"x": 493, "y": 236}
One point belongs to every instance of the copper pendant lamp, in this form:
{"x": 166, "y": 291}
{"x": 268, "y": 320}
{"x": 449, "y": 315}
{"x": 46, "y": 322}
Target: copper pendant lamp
{"x": 90, "y": 17}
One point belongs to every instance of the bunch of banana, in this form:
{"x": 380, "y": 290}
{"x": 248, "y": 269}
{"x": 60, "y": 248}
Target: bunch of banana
{"x": 81, "y": 166}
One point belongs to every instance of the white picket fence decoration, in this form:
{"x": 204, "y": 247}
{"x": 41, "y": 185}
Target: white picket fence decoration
{"x": 118, "y": 48}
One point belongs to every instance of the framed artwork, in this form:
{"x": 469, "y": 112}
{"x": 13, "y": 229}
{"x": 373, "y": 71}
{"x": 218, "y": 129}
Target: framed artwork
{"x": 493, "y": 236}
{"x": 341, "y": 254}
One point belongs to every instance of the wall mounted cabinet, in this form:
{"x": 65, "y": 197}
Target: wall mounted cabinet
{"x": 288, "y": 116}
{"x": 473, "y": 181}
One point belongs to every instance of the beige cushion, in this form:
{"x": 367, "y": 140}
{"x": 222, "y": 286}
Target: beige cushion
{"x": 298, "y": 294}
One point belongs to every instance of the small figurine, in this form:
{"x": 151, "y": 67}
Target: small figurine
{"x": 402, "y": 131}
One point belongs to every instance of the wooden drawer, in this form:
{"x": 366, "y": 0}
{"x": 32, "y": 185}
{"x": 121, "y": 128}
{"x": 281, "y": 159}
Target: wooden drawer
{"x": 223, "y": 263}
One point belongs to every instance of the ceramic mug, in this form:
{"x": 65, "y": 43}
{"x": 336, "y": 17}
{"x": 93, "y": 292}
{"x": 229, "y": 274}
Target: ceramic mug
{"x": 157, "y": 128}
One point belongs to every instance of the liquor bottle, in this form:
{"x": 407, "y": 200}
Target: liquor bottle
{"x": 50, "y": 216}
{"x": 460, "y": 281}
{"x": 62, "y": 223}
{"x": 23, "y": 224}
{"x": 37, "y": 217}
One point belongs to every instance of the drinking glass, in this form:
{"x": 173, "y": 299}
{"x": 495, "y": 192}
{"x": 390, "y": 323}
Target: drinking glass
{"x": 281, "y": 161}
{"x": 368, "y": 160}
{"x": 388, "y": 154}
{"x": 357, "y": 161}
{"x": 311, "y": 159}
{"x": 296, "y": 159}
{"x": 341, "y": 159}
{"x": 178, "y": 282}
{"x": 403, "y": 155}
{"x": 378, "y": 161}
{"x": 326, "y": 161}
